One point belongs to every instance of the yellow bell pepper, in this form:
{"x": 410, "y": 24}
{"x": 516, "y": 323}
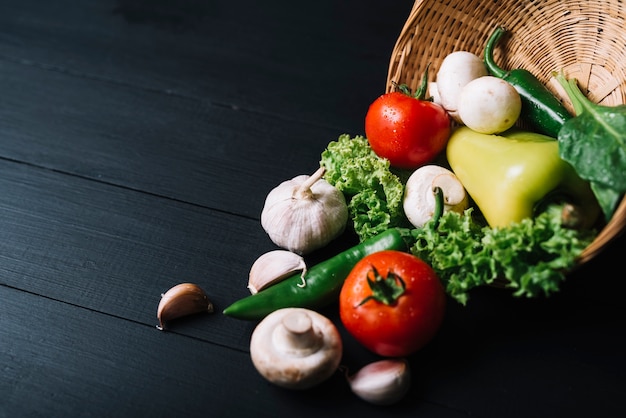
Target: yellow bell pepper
{"x": 513, "y": 175}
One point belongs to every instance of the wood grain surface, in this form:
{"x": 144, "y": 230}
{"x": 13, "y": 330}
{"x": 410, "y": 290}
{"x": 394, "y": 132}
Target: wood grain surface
{"x": 138, "y": 140}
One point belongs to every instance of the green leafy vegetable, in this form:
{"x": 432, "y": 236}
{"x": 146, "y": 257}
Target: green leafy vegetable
{"x": 594, "y": 143}
{"x": 373, "y": 192}
{"x": 531, "y": 257}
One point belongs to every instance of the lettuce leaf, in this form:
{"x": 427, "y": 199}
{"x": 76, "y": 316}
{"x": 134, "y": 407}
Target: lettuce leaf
{"x": 530, "y": 257}
{"x": 373, "y": 192}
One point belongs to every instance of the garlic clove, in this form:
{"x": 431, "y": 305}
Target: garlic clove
{"x": 274, "y": 266}
{"x": 182, "y": 300}
{"x": 383, "y": 382}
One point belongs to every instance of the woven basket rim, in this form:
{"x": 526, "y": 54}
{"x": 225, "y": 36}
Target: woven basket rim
{"x": 583, "y": 38}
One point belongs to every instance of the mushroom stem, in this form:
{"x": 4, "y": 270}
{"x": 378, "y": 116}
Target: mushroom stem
{"x": 296, "y": 336}
{"x": 296, "y": 348}
{"x": 304, "y": 191}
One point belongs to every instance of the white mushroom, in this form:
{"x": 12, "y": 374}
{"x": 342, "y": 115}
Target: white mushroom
{"x": 419, "y": 196}
{"x": 456, "y": 70}
{"x": 296, "y": 348}
{"x": 489, "y": 105}
{"x": 433, "y": 91}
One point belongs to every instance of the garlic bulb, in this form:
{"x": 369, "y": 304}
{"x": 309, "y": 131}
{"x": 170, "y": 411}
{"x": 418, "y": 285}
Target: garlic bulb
{"x": 383, "y": 382}
{"x": 304, "y": 213}
{"x": 273, "y": 267}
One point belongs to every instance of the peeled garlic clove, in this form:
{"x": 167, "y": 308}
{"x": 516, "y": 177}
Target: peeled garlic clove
{"x": 304, "y": 213}
{"x": 182, "y": 300}
{"x": 383, "y": 382}
{"x": 273, "y": 267}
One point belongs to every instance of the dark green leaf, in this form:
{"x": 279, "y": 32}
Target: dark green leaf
{"x": 594, "y": 143}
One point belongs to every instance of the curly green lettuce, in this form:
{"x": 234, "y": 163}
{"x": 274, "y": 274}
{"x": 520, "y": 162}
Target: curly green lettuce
{"x": 373, "y": 192}
{"x": 530, "y": 257}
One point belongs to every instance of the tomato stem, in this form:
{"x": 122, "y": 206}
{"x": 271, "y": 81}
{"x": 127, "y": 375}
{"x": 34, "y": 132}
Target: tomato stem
{"x": 420, "y": 93}
{"x": 385, "y": 290}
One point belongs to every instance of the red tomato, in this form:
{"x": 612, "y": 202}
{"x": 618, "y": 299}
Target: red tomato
{"x": 409, "y": 132}
{"x": 407, "y": 323}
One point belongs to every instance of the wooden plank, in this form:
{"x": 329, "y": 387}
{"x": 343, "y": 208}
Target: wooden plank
{"x": 560, "y": 356}
{"x": 228, "y": 56}
{"x": 114, "y": 251}
{"x": 171, "y": 146}
{"x": 74, "y": 248}
{"x": 73, "y": 361}
{"x": 60, "y": 360}
{"x": 120, "y": 126}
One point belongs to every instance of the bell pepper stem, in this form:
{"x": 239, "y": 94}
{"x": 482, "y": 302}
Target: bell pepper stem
{"x": 385, "y": 290}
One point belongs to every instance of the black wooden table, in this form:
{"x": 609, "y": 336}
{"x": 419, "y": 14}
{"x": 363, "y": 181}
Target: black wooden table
{"x": 138, "y": 140}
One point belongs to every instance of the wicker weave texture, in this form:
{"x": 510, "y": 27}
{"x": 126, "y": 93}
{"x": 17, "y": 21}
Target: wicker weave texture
{"x": 586, "y": 39}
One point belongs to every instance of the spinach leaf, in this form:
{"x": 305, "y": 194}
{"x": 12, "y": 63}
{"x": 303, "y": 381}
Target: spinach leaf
{"x": 594, "y": 143}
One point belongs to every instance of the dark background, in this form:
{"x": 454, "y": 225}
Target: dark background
{"x": 138, "y": 140}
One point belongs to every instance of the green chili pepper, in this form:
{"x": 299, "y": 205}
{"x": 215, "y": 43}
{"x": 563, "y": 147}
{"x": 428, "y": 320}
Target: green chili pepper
{"x": 321, "y": 284}
{"x": 540, "y": 108}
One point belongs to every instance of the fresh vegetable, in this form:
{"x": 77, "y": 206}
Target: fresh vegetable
{"x": 530, "y": 257}
{"x": 456, "y": 70}
{"x": 392, "y": 303}
{"x": 322, "y": 282}
{"x": 296, "y": 348}
{"x": 373, "y": 191}
{"x": 304, "y": 213}
{"x": 514, "y": 176}
{"x": 594, "y": 143}
{"x": 182, "y": 300}
{"x": 540, "y": 108}
{"x": 489, "y": 105}
{"x": 419, "y": 193}
{"x": 272, "y": 267}
{"x": 407, "y": 129}
{"x": 383, "y": 382}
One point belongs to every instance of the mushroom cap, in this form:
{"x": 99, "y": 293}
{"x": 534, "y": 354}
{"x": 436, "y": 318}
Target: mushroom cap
{"x": 419, "y": 199}
{"x": 296, "y": 348}
{"x": 456, "y": 70}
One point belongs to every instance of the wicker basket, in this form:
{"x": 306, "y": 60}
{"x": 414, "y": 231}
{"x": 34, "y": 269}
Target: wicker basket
{"x": 584, "y": 38}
